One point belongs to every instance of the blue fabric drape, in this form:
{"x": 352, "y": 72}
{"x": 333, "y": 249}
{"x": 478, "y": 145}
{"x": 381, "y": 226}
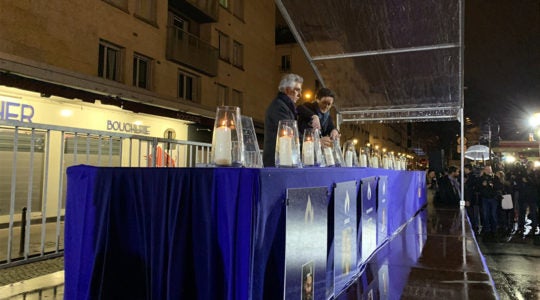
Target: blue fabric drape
{"x": 192, "y": 233}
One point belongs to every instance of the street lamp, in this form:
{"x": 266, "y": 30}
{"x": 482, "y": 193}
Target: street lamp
{"x": 534, "y": 122}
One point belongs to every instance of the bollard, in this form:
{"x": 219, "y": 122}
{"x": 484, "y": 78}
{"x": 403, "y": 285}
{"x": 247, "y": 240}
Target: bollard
{"x": 23, "y": 230}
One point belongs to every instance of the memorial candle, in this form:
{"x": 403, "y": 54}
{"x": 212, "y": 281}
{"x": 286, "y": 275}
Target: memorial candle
{"x": 363, "y": 160}
{"x": 375, "y": 161}
{"x": 285, "y": 150}
{"x": 308, "y": 153}
{"x": 349, "y": 158}
{"x": 329, "y": 156}
{"x": 223, "y": 144}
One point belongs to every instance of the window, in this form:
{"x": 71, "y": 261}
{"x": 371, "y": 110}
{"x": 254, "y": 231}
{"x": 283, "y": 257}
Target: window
{"x": 110, "y": 59}
{"x": 285, "y": 63}
{"x": 238, "y": 54}
{"x": 223, "y": 46}
{"x": 223, "y": 95}
{"x": 224, "y": 3}
{"x": 188, "y": 86}
{"x": 180, "y": 23}
{"x": 123, "y": 4}
{"x": 141, "y": 71}
{"x": 237, "y": 98}
{"x": 146, "y": 9}
{"x": 238, "y": 9}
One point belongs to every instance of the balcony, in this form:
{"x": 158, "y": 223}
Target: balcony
{"x": 186, "y": 49}
{"x": 203, "y": 11}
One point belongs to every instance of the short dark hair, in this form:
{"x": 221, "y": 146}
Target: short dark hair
{"x": 452, "y": 169}
{"x": 468, "y": 166}
{"x": 326, "y": 92}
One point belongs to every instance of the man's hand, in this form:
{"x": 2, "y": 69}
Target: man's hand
{"x": 334, "y": 134}
{"x": 315, "y": 122}
{"x": 327, "y": 141}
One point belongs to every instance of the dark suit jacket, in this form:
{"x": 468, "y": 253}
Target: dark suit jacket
{"x": 306, "y": 111}
{"x": 281, "y": 108}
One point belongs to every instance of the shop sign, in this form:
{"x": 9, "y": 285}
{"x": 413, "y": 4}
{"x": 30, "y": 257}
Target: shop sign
{"x": 127, "y": 127}
{"x": 16, "y": 111}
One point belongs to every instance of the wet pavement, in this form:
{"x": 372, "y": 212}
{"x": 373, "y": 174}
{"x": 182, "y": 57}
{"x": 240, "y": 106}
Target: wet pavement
{"x": 435, "y": 255}
{"x": 514, "y": 265}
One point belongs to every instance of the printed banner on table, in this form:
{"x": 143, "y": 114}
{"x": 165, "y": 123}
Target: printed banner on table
{"x": 368, "y": 218}
{"x": 306, "y": 243}
{"x": 345, "y": 247}
{"x": 382, "y": 210}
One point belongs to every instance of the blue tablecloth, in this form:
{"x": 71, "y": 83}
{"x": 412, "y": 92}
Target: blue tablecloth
{"x": 194, "y": 233}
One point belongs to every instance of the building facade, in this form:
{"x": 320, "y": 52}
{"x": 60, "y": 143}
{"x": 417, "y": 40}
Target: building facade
{"x": 178, "y": 59}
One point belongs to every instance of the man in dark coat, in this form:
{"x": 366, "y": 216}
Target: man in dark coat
{"x": 281, "y": 108}
{"x": 449, "y": 188}
{"x": 317, "y": 115}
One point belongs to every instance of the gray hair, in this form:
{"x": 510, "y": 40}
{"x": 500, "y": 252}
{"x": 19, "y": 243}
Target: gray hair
{"x": 289, "y": 81}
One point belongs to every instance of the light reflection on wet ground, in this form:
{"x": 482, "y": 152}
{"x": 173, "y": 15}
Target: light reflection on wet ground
{"x": 513, "y": 265}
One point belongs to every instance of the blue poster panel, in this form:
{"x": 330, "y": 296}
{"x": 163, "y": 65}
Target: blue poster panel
{"x": 306, "y": 243}
{"x": 382, "y": 210}
{"x": 368, "y": 218}
{"x": 345, "y": 246}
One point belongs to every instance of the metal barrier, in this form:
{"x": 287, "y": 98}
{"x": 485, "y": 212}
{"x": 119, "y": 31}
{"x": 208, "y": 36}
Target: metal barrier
{"x": 33, "y": 162}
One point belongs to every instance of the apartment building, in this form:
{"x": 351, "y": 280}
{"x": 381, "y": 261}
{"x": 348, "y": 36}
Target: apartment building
{"x": 177, "y": 59}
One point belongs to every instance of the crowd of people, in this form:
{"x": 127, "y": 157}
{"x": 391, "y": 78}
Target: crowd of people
{"x": 485, "y": 187}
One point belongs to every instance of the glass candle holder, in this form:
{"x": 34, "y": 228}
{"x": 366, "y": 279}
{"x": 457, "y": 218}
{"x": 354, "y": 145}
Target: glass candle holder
{"x": 363, "y": 160}
{"x": 338, "y": 154}
{"x": 403, "y": 161}
{"x": 288, "y": 145}
{"x": 252, "y": 153}
{"x": 375, "y": 158}
{"x": 328, "y": 154}
{"x": 310, "y": 140}
{"x": 349, "y": 154}
{"x": 227, "y": 142}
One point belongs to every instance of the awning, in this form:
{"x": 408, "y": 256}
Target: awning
{"x": 389, "y": 61}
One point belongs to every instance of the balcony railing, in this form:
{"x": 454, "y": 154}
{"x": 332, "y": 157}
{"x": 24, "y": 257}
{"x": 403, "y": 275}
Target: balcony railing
{"x": 187, "y": 49}
{"x": 203, "y": 11}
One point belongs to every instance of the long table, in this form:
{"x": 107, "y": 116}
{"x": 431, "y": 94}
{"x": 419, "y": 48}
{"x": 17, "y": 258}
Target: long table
{"x": 195, "y": 233}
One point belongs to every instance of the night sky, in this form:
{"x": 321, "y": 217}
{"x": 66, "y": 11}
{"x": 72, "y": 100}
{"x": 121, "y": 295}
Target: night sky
{"x": 502, "y": 63}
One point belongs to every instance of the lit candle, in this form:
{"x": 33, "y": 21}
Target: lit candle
{"x": 374, "y": 161}
{"x": 329, "y": 156}
{"x": 363, "y": 160}
{"x": 348, "y": 158}
{"x": 307, "y": 153}
{"x": 223, "y": 155}
{"x": 285, "y": 150}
